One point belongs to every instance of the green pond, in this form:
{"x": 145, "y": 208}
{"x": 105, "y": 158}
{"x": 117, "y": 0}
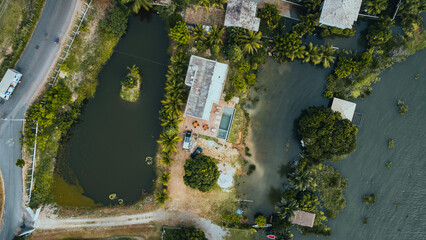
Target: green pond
{"x": 399, "y": 212}
{"x": 107, "y": 149}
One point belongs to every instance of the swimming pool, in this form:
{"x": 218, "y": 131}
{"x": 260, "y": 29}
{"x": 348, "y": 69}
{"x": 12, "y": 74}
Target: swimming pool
{"x": 226, "y": 123}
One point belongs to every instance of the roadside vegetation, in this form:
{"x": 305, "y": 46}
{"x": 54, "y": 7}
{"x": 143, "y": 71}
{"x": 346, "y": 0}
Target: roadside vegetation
{"x": 18, "y": 19}
{"x": 58, "y": 109}
{"x": 131, "y": 85}
{"x": 184, "y": 233}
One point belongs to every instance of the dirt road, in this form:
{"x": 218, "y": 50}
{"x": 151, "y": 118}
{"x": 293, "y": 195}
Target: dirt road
{"x": 48, "y": 220}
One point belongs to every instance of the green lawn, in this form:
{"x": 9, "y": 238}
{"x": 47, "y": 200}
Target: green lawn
{"x": 237, "y": 125}
{"x": 237, "y": 234}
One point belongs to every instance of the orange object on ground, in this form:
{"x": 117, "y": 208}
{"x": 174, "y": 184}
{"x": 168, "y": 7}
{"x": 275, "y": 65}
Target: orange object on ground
{"x": 205, "y": 127}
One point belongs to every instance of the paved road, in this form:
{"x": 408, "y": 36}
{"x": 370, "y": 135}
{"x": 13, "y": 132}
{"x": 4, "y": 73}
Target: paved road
{"x": 35, "y": 64}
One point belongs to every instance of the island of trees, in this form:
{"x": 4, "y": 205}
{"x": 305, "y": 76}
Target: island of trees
{"x": 131, "y": 85}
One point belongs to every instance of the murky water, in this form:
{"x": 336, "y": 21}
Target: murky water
{"x": 108, "y": 148}
{"x": 399, "y": 212}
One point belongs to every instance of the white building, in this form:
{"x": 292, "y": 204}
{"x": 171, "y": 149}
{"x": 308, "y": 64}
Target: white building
{"x": 340, "y": 13}
{"x": 206, "y": 79}
{"x": 345, "y": 108}
{"x": 9, "y": 82}
{"x": 242, "y": 13}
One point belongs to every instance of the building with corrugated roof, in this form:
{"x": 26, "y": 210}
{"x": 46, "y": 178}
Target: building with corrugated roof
{"x": 345, "y": 108}
{"x": 303, "y": 218}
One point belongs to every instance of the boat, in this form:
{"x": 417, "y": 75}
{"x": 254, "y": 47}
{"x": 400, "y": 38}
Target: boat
{"x": 271, "y": 236}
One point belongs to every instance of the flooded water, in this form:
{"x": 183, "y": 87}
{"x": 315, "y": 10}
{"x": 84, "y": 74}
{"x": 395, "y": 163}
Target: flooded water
{"x": 399, "y": 212}
{"x": 107, "y": 150}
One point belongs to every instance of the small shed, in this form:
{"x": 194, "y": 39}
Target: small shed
{"x": 340, "y": 13}
{"x": 303, "y": 218}
{"x": 9, "y": 82}
{"x": 345, "y": 108}
{"x": 242, "y": 13}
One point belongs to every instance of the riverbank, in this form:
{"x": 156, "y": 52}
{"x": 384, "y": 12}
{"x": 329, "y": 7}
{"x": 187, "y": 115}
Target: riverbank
{"x": 18, "y": 20}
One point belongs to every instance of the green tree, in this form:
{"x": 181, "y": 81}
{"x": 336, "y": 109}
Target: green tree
{"x": 250, "y": 41}
{"x": 115, "y": 22}
{"x": 243, "y": 67}
{"x": 260, "y": 221}
{"x": 20, "y": 162}
{"x": 165, "y": 178}
{"x": 325, "y": 134}
{"x": 239, "y": 83}
{"x": 345, "y": 67}
{"x": 251, "y": 79}
{"x": 312, "y": 6}
{"x": 180, "y": 33}
{"x": 173, "y": 103}
{"x": 301, "y": 181}
{"x": 199, "y": 33}
{"x": 287, "y": 47}
{"x": 132, "y": 78}
{"x": 166, "y": 159}
{"x": 380, "y": 32}
{"x": 203, "y": 3}
{"x": 233, "y": 52}
{"x": 168, "y": 140}
{"x": 161, "y": 196}
{"x": 214, "y": 36}
{"x": 201, "y": 173}
{"x": 270, "y": 14}
{"x": 375, "y": 7}
{"x": 285, "y": 209}
{"x": 138, "y": 4}
{"x": 326, "y": 55}
{"x": 218, "y": 3}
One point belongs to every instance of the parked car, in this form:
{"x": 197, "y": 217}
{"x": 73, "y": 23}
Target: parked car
{"x": 196, "y": 152}
{"x": 187, "y": 140}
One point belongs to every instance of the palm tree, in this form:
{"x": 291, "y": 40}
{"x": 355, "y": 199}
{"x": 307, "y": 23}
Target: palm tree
{"x": 300, "y": 181}
{"x": 250, "y": 42}
{"x": 161, "y": 196}
{"x": 138, "y": 4}
{"x": 166, "y": 159}
{"x": 168, "y": 140}
{"x": 214, "y": 36}
{"x": 327, "y": 52}
{"x": 170, "y": 121}
{"x": 173, "y": 103}
{"x": 286, "y": 209}
{"x": 204, "y": 3}
{"x": 199, "y": 33}
{"x": 164, "y": 178}
{"x": 174, "y": 72}
{"x": 174, "y": 85}
{"x": 218, "y": 3}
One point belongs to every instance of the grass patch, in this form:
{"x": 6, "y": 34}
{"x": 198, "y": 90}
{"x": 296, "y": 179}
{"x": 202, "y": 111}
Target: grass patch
{"x": 131, "y": 94}
{"x": 237, "y": 234}
{"x": 208, "y": 138}
{"x": 238, "y": 125}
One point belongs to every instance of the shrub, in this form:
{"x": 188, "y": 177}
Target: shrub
{"x": 251, "y": 79}
{"x": 391, "y": 143}
{"x": 369, "y": 199}
{"x": 402, "y": 107}
{"x": 260, "y": 221}
{"x": 201, "y": 173}
{"x": 116, "y": 22}
{"x": 215, "y": 50}
{"x": 20, "y": 162}
{"x": 233, "y": 53}
{"x": 243, "y": 67}
{"x": 132, "y": 77}
{"x": 185, "y": 233}
{"x": 180, "y": 33}
{"x": 239, "y": 83}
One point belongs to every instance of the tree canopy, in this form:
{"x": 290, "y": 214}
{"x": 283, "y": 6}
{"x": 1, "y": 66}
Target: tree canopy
{"x": 201, "y": 173}
{"x": 116, "y": 22}
{"x": 325, "y": 134}
{"x": 180, "y": 33}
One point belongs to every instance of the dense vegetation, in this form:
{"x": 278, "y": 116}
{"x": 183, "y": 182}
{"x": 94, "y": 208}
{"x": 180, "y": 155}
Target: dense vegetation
{"x": 325, "y": 134}
{"x": 184, "y": 233}
{"x": 201, "y": 173}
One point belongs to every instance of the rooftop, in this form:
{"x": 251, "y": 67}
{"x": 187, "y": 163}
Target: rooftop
{"x": 345, "y": 108}
{"x": 303, "y": 218}
{"x": 206, "y": 79}
{"x": 242, "y": 13}
{"x": 340, "y": 13}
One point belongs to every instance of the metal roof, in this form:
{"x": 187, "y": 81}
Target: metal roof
{"x": 303, "y": 218}
{"x": 9, "y": 80}
{"x": 345, "y": 108}
{"x": 340, "y": 13}
{"x": 206, "y": 79}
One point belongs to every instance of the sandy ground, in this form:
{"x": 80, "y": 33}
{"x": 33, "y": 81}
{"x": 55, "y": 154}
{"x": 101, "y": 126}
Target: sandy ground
{"x": 49, "y": 221}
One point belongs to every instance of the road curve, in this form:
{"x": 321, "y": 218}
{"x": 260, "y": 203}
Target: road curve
{"x": 35, "y": 63}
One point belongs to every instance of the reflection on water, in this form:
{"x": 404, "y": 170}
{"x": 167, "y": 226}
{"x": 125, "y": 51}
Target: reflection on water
{"x": 399, "y": 212}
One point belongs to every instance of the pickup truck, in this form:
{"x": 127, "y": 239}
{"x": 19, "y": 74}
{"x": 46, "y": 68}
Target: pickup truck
{"x": 187, "y": 140}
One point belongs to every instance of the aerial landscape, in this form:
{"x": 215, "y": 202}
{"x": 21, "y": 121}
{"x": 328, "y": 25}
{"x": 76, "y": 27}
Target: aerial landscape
{"x": 212, "y": 119}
